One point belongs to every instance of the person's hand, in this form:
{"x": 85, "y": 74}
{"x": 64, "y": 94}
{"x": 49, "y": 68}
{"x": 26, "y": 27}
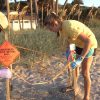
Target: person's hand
{"x": 76, "y": 62}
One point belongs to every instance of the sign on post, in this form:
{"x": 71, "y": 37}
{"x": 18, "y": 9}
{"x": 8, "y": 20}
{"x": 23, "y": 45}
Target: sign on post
{"x": 8, "y": 53}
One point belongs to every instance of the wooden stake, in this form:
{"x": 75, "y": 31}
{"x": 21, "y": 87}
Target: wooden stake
{"x": 31, "y": 3}
{"x": 7, "y": 89}
{"x": 6, "y": 38}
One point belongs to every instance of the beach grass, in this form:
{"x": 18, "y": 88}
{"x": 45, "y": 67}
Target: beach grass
{"x": 43, "y": 41}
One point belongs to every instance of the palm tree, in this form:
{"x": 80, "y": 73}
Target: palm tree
{"x": 77, "y": 2}
{"x": 15, "y": 1}
{"x": 2, "y": 4}
{"x": 56, "y": 9}
{"x": 65, "y": 4}
{"x": 15, "y": 4}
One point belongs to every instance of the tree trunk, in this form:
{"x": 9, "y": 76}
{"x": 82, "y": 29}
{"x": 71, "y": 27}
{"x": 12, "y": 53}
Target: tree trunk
{"x": 57, "y": 7}
{"x": 36, "y": 8}
{"x": 65, "y": 4}
{"x": 53, "y": 5}
{"x": 31, "y": 12}
{"x": 8, "y": 10}
{"x": 15, "y": 4}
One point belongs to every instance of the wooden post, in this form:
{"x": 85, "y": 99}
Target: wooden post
{"x": 8, "y": 10}
{"x": 36, "y": 8}
{"x": 47, "y": 9}
{"x": 19, "y": 20}
{"x": 6, "y": 38}
{"x": 22, "y": 22}
{"x": 57, "y": 7}
{"x": 42, "y": 13}
{"x": 31, "y": 12}
{"x": 53, "y": 5}
{"x": 7, "y": 89}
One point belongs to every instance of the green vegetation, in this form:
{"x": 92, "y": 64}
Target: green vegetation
{"x": 40, "y": 41}
{"x": 95, "y": 27}
{"x": 43, "y": 41}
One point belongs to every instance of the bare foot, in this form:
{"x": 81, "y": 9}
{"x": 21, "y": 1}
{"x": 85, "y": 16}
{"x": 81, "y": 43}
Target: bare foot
{"x": 78, "y": 93}
{"x": 86, "y": 98}
{"x": 77, "y": 90}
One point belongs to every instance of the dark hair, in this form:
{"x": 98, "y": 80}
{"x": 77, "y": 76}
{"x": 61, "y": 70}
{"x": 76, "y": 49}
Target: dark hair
{"x": 50, "y": 19}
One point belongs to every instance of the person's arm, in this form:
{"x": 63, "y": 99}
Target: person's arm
{"x": 87, "y": 44}
{"x": 86, "y": 48}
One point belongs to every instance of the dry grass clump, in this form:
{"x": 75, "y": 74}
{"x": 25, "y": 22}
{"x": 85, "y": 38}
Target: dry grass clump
{"x": 41, "y": 42}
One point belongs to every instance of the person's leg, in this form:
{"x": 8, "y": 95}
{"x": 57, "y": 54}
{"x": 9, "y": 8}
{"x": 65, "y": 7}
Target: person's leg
{"x": 76, "y": 76}
{"x": 75, "y": 81}
{"x": 86, "y": 64}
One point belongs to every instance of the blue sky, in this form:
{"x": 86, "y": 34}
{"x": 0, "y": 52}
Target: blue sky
{"x": 89, "y": 3}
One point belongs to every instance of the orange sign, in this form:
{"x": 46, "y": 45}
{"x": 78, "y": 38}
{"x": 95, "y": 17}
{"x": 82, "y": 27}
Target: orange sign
{"x": 8, "y": 53}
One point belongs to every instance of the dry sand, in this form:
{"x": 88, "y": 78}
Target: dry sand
{"x": 45, "y": 71}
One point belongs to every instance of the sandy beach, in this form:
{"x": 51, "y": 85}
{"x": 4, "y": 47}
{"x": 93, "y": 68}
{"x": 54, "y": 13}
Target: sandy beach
{"x": 25, "y": 78}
